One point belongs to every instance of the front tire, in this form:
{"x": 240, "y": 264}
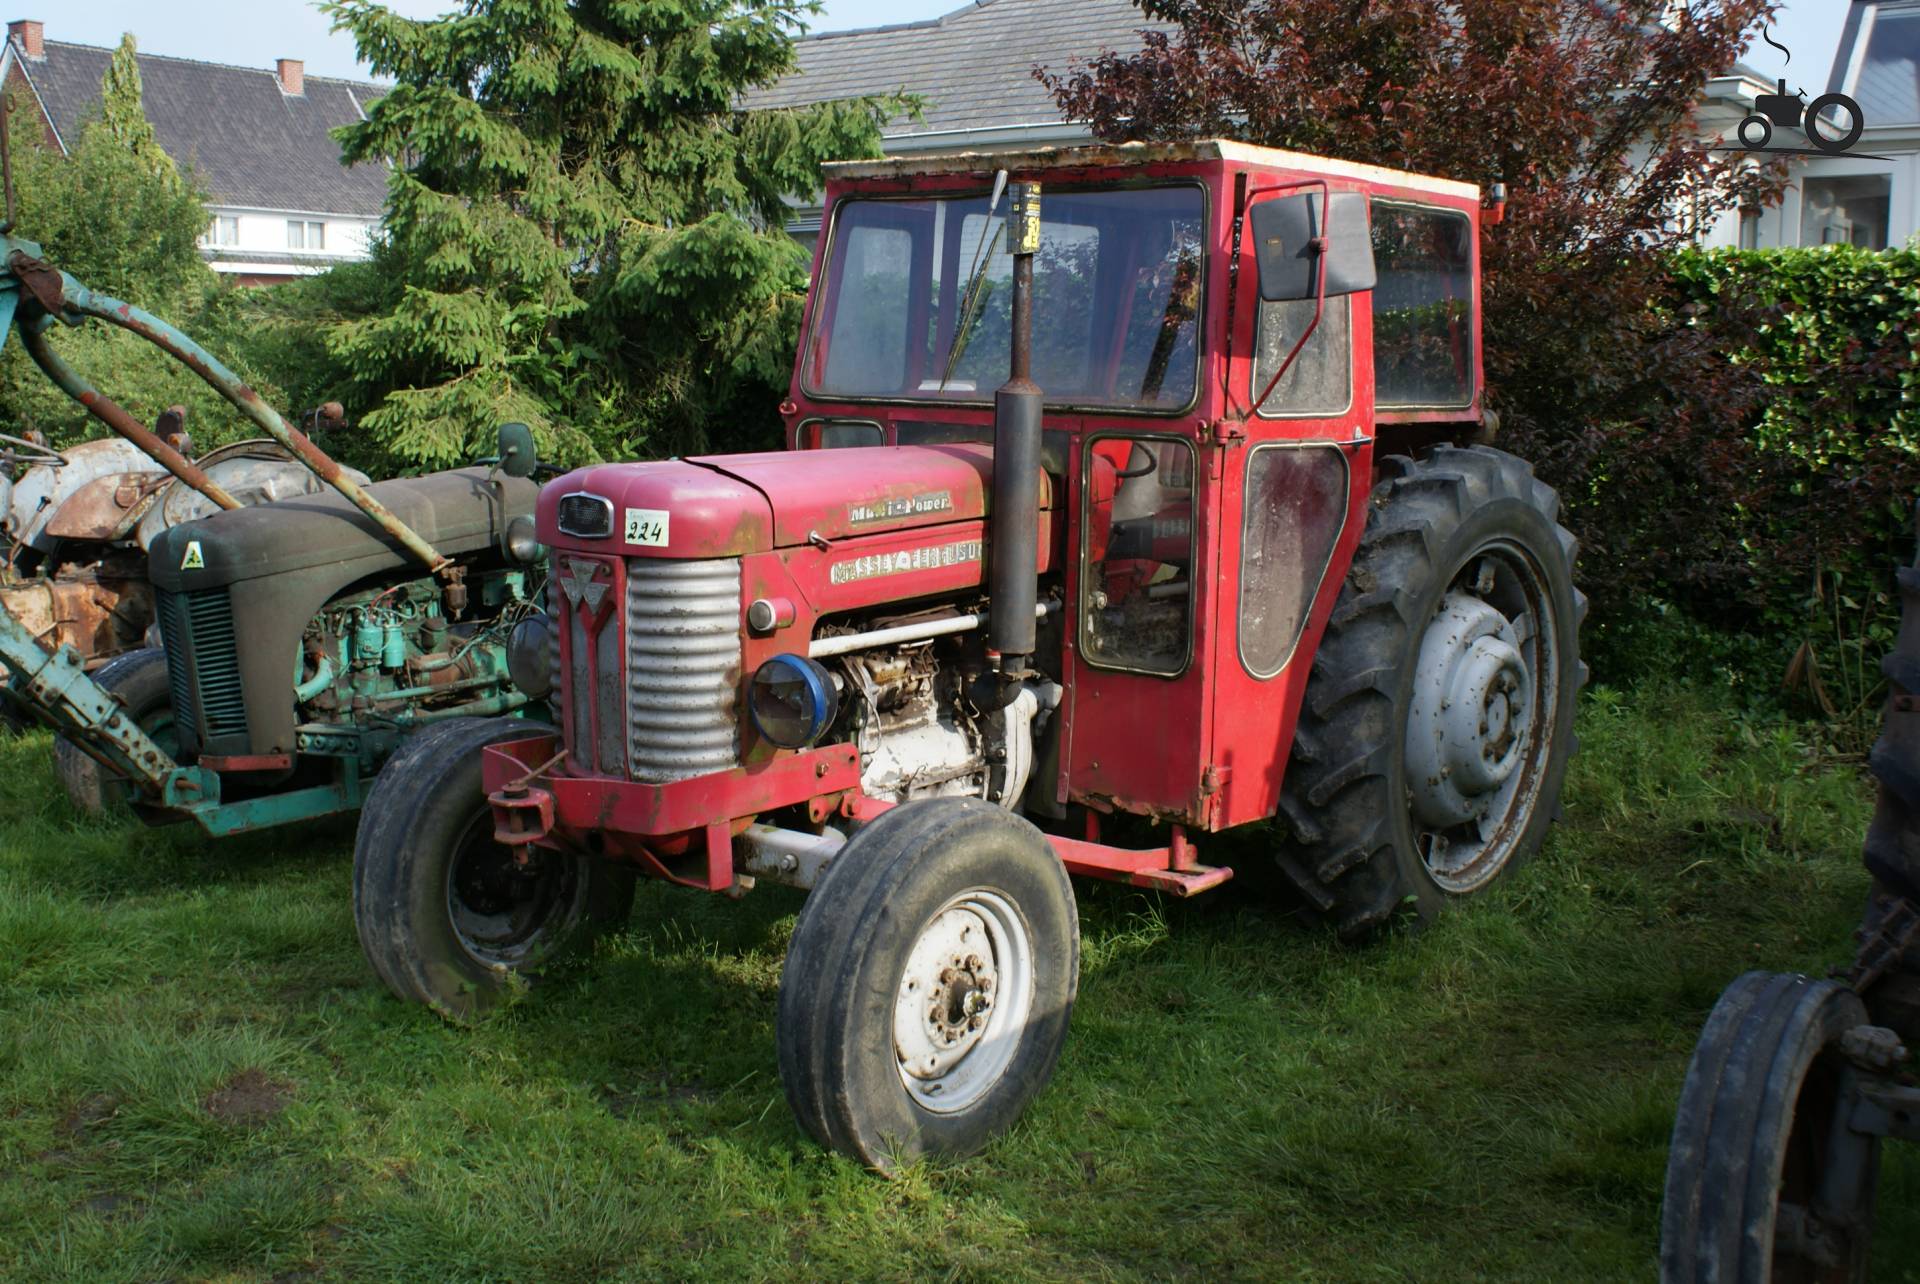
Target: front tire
{"x": 138, "y": 680}
{"x": 1438, "y": 718}
{"x": 928, "y": 988}
{"x": 448, "y": 917}
{"x": 1754, "y": 1143}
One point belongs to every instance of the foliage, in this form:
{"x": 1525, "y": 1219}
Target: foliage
{"x": 1766, "y": 486}
{"x": 125, "y": 226}
{"x": 583, "y": 227}
{"x": 124, "y": 116}
{"x": 1239, "y": 1097}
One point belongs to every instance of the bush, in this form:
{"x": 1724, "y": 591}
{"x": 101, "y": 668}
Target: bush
{"x": 1763, "y": 483}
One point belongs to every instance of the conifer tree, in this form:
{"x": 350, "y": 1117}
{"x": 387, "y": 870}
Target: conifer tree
{"x": 126, "y": 119}
{"x": 583, "y": 225}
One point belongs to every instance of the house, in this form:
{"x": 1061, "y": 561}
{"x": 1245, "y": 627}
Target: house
{"x": 974, "y": 68}
{"x": 281, "y": 204}
{"x": 1868, "y": 195}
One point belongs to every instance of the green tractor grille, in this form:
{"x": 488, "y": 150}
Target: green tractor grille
{"x": 203, "y": 659}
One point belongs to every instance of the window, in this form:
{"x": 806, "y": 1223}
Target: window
{"x": 1845, "y": 211}
{"x": 916, "y": 300}
{"x": 1888, "y": 88}
{"x": 841, "y": 434}
{"x": 1137, "y": 592}
{"x": 303, "y": 235}
{"x": 1423, "y": 306}
{"x": 1296, "y": 506}
{"x": 224, "y": 230}
{"x": 1320, "y": 381}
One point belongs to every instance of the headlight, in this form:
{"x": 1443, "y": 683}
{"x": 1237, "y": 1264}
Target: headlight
{"x": 792, "y": 701}
{"x": 530, "y": 656}
{"x": 522, "y": 544}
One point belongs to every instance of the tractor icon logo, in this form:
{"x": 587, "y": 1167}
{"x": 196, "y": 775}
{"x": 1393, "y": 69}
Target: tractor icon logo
{"x": 1828, "y": 135}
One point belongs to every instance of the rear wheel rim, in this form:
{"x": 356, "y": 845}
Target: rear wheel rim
{"x": 963, "y": 1001}
{"x": 506, "y": 914}
{"x": 1482, "y": 722}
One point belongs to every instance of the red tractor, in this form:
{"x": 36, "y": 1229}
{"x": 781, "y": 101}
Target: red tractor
{"x": 1123, "y": 482}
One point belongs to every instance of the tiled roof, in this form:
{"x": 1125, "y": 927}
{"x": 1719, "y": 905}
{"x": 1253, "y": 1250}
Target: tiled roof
{"x": 249, "y": 144}
{"x": 974, "y": 66}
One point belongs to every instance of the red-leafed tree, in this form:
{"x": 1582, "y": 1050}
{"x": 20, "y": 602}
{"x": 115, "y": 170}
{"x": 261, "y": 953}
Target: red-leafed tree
{"x": 1585, "y": 109}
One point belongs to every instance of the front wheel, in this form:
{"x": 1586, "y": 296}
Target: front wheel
{"x": 138, "y": 681}
{"x": 447, "y": 916}
{"x": 1766, "y": 1184}
{"x": 1438, "y": 717}
{"x": 928, "y": 988}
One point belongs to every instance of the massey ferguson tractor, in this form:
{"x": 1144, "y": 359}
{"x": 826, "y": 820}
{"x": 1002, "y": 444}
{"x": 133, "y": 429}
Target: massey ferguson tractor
{"x": 1126, "y": 504}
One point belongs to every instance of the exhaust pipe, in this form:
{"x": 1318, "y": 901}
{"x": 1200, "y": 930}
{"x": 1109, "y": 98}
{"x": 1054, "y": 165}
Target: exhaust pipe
{"x": 1015, "y": 526}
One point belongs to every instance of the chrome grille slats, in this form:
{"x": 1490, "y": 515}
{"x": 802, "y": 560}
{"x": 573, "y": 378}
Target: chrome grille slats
{"x": 683, "y": 668}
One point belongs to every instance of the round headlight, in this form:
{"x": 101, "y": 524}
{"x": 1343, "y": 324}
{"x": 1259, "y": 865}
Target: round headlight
{"x": 530, "y": 656}
{"x": 523, "y": 545}
{"x": 792, "y": 701}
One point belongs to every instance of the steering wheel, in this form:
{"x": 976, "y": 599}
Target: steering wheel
{"x": 35, "y": 452}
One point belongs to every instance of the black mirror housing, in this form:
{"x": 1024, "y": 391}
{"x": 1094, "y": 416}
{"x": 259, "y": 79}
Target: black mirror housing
{"x": 1283, "y": 233}
{"x": 518, "y": 455}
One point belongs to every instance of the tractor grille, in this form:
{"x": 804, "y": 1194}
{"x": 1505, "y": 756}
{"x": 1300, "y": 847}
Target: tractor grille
{"x": 683, "y": 668}
{"x": 203, "y": 662}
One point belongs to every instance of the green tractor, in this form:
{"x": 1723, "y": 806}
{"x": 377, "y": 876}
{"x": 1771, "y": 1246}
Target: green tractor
{"x": 301, "y": 641}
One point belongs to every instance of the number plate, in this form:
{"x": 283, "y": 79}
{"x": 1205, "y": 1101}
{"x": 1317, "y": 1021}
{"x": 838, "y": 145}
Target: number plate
{"x": 647, "y": 526}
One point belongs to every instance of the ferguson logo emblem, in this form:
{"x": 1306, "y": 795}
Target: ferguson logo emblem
{"x": 582, "y": 584}
{"x": 886, "y": 510}
{"x": 194, "y": 560}
{"x": 918, "y": 559}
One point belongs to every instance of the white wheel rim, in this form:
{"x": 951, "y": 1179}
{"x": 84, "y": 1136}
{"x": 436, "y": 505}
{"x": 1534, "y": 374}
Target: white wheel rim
{"x": 1481, "y": 721}
{"x": 962, "y": 1002}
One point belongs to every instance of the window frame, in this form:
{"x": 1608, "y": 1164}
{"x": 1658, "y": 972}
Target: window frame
{"x": 1320, "y": 580}
{"x": 1473, "y": 303}
{"x": 1081, "y": 606}
{"x": 829, "y": 264}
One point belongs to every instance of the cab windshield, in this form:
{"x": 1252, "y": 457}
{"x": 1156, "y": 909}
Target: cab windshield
{"x": 917, "y": 293}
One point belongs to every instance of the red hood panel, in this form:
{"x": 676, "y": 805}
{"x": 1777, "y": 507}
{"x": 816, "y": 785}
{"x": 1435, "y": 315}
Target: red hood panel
{"x": 707, "y": 513}
{"x": 838, "y": 493}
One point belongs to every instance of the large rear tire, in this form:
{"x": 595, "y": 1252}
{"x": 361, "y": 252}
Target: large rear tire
{"x": 138, "y": 680}
{"x": 1753, "y": 1143}
{"x": 1438, "y": 718}
{"x": 448, "y": 917}
{"x": 929, "y": 984}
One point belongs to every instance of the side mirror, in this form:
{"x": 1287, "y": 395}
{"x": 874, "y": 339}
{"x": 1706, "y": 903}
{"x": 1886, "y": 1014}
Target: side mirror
{"x": 518, "y": 456}
{"x": 1283, "y": 234}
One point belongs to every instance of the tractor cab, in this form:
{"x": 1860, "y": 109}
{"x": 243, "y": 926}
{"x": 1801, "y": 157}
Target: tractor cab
{"x": 1212, "y": 406}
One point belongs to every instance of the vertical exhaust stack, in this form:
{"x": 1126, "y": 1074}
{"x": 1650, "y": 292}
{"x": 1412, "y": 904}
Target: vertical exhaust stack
{"x": 1015, "y": 529}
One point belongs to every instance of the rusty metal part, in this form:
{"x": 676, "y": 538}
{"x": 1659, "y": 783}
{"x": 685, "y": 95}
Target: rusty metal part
{"x": 97, "y": 612}
{"x": 105, "y": 507}
{"x": 81, "y": 300}
{"x": 41, "y": 279}
{"x": 113, "y": 416}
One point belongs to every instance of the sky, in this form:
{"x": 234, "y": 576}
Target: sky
{"x": 253, "y": 33}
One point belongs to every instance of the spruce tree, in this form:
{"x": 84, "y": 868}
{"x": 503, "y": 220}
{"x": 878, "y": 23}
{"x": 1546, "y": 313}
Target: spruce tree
{"x": 126, "y": 119}
{"x": 583, "y": 225}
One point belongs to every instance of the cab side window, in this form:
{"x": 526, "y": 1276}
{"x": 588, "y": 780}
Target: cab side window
{"x": 1422, "y": 306}
{"x": 1137, "y": 586}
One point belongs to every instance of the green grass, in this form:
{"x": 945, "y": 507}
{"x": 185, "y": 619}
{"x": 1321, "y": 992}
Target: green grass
{"x": 200, "y": 1079}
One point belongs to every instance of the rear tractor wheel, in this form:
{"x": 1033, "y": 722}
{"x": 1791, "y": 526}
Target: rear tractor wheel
{"x": 447, "y": 916}
{"x": 928, "y": 988}
{"x": 1438, "y": 718}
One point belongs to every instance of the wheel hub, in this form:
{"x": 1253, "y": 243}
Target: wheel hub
{"x": 946, "y": 996}
{"x": 1471, "y": 713}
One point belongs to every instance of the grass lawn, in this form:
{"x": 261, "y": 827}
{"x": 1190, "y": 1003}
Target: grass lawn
{"x": 200, "y": 1078}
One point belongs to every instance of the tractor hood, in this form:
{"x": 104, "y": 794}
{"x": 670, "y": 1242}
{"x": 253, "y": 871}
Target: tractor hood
{"x": 732, "y": 505}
